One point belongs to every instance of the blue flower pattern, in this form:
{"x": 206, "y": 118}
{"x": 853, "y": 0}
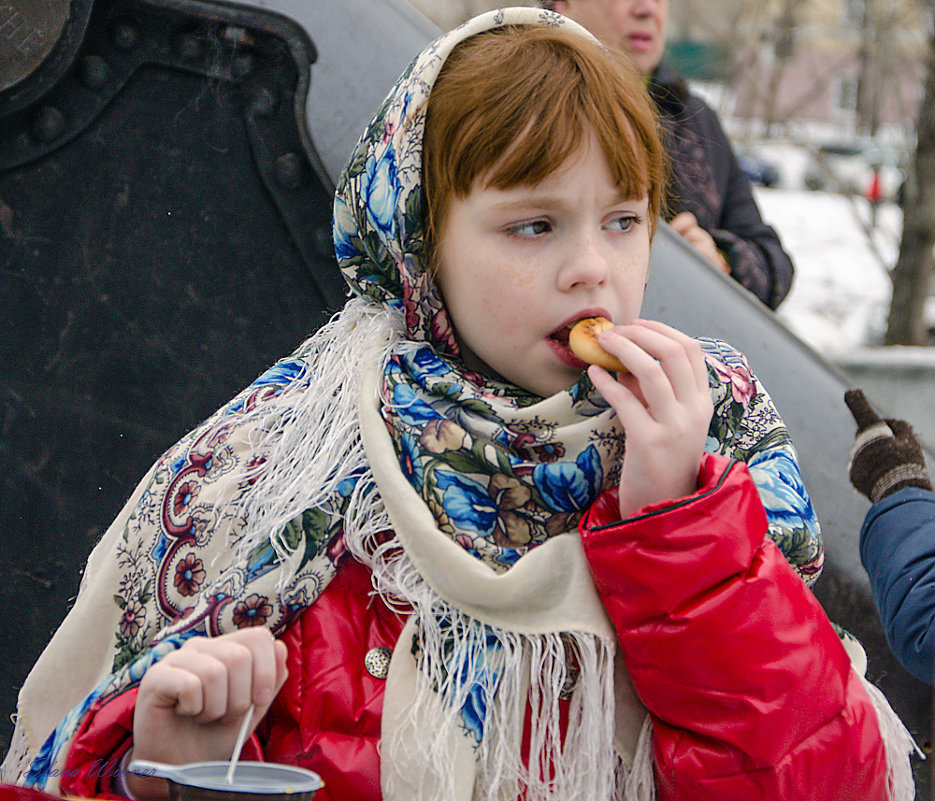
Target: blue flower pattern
{"x": 280, "y": 374}
{"x": 781, "y": 489}
{"x": 382, "y": 192}
{"x": 568, "y": 487}
{"x": 409, "y": 461}
{"x": 467, "y": 503}
{"x": 411, "y": 408}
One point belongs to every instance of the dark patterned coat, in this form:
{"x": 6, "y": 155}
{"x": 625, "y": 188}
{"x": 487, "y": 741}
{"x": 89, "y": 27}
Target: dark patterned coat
{"x": 709, "y": 182}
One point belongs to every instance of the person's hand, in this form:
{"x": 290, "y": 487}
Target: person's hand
{"x": 191, "y": 705}
{"x": 686, "y": 224}
{"x": 664, "y": 405}
{"x": 886, "y": 456}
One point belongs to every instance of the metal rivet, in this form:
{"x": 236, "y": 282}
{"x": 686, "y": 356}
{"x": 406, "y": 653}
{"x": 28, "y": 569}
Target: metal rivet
{"x": 324, "y": 241}
{"x": 235, "y": 35}
{"x": 124, "y": 34}
{"x": 289, "y": 171}
{"x": 377, "y": 662}
{"x": 93, "y": 72}
{"x": 48, "y": 123}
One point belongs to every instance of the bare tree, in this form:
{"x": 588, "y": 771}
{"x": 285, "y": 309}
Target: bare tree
{"x": 912, "y": 275}
{"x": 783, "y": 49}
{"x": 867, "y": 95}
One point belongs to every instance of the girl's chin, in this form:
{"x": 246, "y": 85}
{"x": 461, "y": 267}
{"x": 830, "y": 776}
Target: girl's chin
{"x": 560, "y": 380}
{"x": 553, "y": 373}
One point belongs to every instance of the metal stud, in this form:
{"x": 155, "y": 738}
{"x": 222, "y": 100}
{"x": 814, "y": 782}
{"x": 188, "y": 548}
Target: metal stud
{"x": 124, "y": 34}
{"x": 188, "y": 45}
{"x": 377, "y": 662}
{"x": 93, "y": 72}
{"x": 48, "y": 124}
{"x": 289, "y": 171}
{"x": 263, "y": 103}
{"x": 242, "y": 66}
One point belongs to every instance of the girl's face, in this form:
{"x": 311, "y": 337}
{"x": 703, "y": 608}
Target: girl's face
{"x": 518, "y": 267}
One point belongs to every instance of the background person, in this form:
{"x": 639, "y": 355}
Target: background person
{"x": 897, "y": 539}
{"x": 710, "y": 201}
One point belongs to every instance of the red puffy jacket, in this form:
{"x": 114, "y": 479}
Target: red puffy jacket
{"x": 750, "y": 691}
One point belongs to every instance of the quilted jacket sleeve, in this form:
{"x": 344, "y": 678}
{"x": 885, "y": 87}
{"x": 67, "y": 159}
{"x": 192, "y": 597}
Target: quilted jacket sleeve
{"x": 897, "y": 548}
{"x": 750, "y": 691}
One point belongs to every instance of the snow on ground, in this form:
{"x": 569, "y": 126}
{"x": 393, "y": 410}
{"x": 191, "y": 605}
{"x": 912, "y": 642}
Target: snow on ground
{"x": 840, "y": 297}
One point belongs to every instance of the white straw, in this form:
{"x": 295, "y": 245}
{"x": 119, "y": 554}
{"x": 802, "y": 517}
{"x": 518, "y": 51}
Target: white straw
{"x": 238, "y": 745}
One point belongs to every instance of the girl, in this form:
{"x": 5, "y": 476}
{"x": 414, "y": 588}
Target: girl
{"x": 476, "y": 592}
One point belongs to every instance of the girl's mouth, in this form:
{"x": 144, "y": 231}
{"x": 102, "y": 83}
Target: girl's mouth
{"x": 561, "y": 335}
{"x": 558, "y": 340}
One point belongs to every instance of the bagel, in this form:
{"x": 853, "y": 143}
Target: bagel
{"x": 582, "y": 340}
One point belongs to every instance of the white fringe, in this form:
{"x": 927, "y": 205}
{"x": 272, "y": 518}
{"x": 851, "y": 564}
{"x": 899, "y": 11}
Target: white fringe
{"x": 640, "y": 784}
{"x": 18, "y": 758}
{"x": 511, "y": 673}
{"x": 899, "y": 746}
{"x": 314, "y": 435}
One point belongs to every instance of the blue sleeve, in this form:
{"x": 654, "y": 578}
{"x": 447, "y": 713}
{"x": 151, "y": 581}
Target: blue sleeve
{"x": 897, "y": 548}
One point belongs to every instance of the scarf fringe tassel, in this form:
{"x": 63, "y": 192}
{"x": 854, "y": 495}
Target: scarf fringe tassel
{"x": 899, "y": 746}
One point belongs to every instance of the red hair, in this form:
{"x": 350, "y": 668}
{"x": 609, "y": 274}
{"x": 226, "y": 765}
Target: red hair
{"x": 513, "y": 104}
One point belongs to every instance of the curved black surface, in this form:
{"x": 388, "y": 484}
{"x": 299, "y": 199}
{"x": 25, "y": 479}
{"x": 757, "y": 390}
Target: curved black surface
{"x": 166, "y": 246}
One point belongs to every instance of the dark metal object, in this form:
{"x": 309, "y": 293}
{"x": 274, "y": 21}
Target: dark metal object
{"x": 38, "y": 40}
{"x": 164, "y": 237}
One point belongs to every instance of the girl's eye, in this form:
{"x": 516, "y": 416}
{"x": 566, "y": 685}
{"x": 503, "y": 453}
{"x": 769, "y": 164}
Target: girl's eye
{"x": 531, "y": 228}
{"x": 623, "y": 223}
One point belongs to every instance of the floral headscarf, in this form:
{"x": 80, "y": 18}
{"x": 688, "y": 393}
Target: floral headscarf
{"x": 245, "y": 521}
{"x": 501, "y": 469}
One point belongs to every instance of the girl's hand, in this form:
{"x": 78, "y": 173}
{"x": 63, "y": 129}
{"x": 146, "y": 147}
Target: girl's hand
{"x": 686, "y": 225}
{"x": 664, "y": 405}
{"x": 191, "y": 705}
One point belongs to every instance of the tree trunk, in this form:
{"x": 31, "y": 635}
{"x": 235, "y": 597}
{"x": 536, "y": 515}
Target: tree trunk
{"x": 913, "y": 272}
{"x": 867, "y": 71}
{"x": 783, "y": 46}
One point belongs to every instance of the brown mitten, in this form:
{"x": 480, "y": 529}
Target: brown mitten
{"x": 885, "y": 456}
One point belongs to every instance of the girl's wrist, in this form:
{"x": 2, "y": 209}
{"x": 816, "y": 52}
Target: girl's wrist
{"x": 137, "y": 787}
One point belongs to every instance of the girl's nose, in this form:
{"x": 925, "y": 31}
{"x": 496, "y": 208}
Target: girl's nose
{"x": 585, "y": 267}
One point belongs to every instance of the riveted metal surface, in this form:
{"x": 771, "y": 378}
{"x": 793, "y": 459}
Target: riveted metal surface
{"x": 152, "y": 263}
